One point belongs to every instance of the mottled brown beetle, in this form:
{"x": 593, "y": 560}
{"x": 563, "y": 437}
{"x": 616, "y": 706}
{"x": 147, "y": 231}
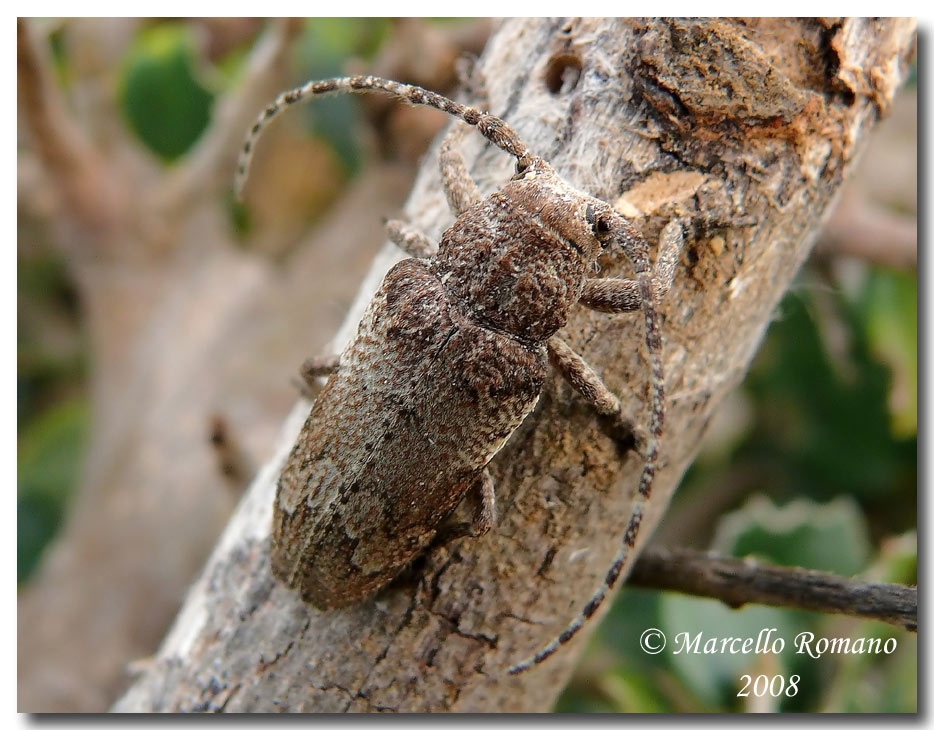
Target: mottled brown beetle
{"x": 448, "y": 360}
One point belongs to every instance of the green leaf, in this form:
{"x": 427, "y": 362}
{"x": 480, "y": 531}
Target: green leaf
{"x": 831, "y": 537}
{"x": 875, "y": 682}
{"x": 695, "y": 629}
{"x": 49, "y": 462}
{"x": 163, "y": 101}
{"x": 632, "y": 691}
{"x": 823, "y": 419}
{"x": 890, "y": 311}
{"x": 897, "y": 561}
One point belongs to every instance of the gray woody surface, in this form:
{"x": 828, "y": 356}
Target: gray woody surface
{"x": 743, "y": 122}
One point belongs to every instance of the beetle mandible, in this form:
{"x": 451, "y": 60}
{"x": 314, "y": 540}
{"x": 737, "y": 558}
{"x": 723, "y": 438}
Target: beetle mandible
{"x": 448, "y": 359}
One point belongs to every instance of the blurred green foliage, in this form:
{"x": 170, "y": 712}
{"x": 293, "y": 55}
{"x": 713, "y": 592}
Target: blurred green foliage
{"x": 49, "y": 457}
{"x": 889, "y": 307}
{"x": 164, "y": 102}
{"x": 51, "y": 410}
{"x": 832, "y": 537}
{"x": 829, "y": 455}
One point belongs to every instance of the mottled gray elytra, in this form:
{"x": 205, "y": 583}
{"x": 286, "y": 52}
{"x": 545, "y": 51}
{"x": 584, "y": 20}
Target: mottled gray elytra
{"x": 448, "y": 360}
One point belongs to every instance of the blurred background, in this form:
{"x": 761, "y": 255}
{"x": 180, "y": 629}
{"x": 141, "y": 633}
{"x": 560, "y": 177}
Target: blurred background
{"x": 160, "y": 327}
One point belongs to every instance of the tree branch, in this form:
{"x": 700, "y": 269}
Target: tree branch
{"x": 71, "y": 162}
{"x": 712, "y": 120}
{"x": 867, "y": 231}
{"x": 738, "y": 582}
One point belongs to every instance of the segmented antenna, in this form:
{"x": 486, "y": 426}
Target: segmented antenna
{"x": 493, "y": 128}
{"x": 636, "y": 249}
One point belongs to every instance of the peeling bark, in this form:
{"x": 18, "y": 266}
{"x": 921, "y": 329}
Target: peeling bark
{"x": 746, "y": 127}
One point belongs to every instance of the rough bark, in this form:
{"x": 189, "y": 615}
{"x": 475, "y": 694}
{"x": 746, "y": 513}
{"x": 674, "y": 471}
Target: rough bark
{"x": 750, "y": 125}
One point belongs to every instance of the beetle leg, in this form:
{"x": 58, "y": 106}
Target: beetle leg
{"x": 591, "y": 387}
{"x": 482, "y": 498}
{"x": 314, "y": 368}
{"x": 611, "y": 295}
{"x": 411, "y": 240}
{"x": 669, "y": 251}
{"x": 459, "y": 188}
{"x": 319, "y": 367}
{"x": 582, "y": 377}
{"x": 623, "y": 295}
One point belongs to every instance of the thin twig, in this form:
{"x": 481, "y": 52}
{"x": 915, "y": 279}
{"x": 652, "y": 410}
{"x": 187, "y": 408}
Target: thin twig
{"x": 233, "y": 460}
{"x": 738, "y": 582}
{"x": 871, "y": 233}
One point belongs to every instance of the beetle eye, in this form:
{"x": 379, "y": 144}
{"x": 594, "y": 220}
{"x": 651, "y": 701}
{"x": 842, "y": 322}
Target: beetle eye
{"x": 599, "y": 225}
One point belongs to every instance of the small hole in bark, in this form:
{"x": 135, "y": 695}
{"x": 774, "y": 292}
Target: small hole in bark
{"x": 562, "y": 73}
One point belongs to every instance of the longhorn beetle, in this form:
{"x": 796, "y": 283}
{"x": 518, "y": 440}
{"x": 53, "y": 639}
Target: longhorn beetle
{"x": 448, "y": 360}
